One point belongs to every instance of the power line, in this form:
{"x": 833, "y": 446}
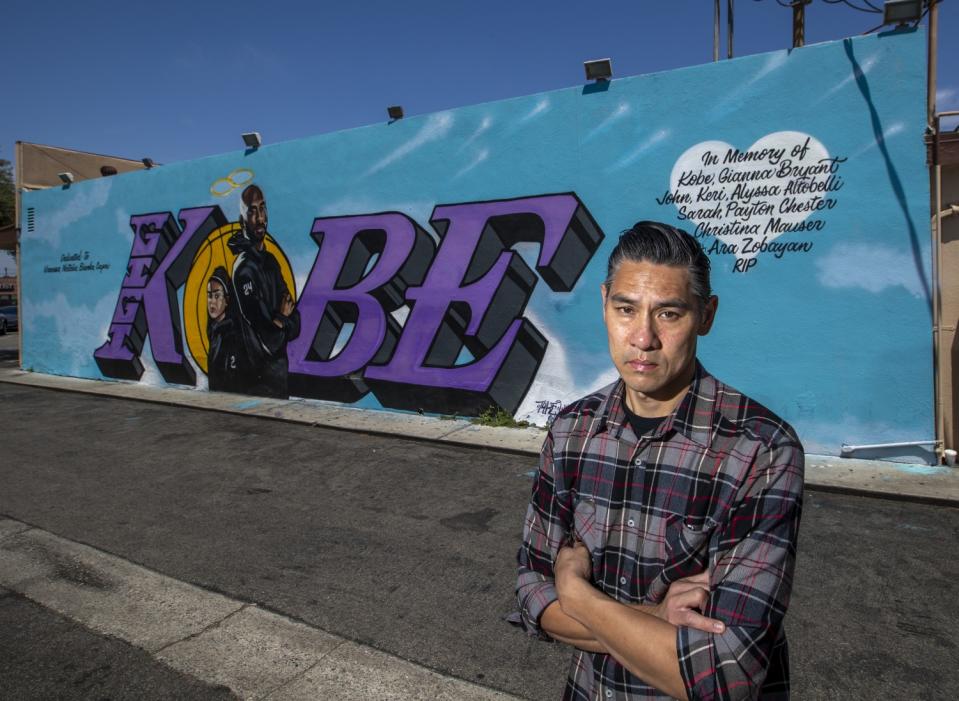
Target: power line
{"x": 871, "y": 9}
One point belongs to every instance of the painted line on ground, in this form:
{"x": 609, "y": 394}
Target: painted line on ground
{"x": 256, "y": 653}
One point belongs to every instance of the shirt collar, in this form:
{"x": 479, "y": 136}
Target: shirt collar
{"x": 694, "y": 417}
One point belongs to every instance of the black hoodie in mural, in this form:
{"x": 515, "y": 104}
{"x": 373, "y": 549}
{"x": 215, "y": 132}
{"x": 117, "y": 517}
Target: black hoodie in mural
{"x": 259, "y": 290}
{"x": 226, "y": 357}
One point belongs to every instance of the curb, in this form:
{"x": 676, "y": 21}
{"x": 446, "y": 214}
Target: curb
{"x": 936, "y": 485}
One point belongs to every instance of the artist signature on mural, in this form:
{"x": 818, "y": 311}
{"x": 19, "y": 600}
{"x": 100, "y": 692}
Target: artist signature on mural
{"x": 548, "y": 408}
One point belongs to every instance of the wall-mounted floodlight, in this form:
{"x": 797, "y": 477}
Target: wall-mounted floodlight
{"x": 599, "y": 70}
{"x": 901, "y": 11}
{"x": 66, "y": 178}
{"x": 147, "y": 162}
{"x": 395, "y": 112}
{"x": 252, "y": 139}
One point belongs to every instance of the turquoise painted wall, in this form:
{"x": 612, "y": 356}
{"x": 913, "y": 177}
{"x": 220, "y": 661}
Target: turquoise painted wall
{"x": 802, "y": 172}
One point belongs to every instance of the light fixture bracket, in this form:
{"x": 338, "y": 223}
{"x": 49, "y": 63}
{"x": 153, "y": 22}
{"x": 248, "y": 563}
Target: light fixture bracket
{"x": 599, "y": 70}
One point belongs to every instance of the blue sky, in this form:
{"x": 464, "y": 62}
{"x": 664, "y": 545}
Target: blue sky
{"x": 177, "y": 80}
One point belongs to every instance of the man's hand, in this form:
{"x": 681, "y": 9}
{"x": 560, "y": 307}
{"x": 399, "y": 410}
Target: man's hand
{"x": 571, "y": 572}
{"x": 572, "y": 566}
{"x": 681, "y": 603}
{"x": 286, "y": 308}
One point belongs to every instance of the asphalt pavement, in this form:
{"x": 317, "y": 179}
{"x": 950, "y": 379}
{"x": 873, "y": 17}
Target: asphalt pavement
{"x": 408, "y": 547}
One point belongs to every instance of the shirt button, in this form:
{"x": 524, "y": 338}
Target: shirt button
{"x": 622, "y": 580}
{"x": 638, "y": 462}
{"x": 609, "y": 693}
{"x": 631, "y": 522}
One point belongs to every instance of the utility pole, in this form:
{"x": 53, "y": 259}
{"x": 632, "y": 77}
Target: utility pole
{"x": 715, "y": 30}
{"x": 799, "y": 22}
{"x": 729, "y": 24}
{"x": 933, "y": 47}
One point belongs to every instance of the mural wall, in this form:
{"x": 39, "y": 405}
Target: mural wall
{"x": 451, "y": 263}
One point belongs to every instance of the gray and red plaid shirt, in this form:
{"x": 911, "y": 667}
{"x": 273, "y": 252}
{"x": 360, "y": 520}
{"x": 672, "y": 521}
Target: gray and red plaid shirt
{"x": 717, "y": 486}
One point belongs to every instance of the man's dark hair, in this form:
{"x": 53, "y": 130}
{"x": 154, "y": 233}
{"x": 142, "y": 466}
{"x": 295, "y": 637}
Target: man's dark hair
{"x": 221, "y": 276}
{"x": 250, "y": 192}
{"x": 662, "y": 244}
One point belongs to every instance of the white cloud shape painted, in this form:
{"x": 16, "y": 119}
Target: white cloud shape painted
{"x": 891, "y": 131}
{"x": 866, "y": 66}
{"x": 90, "y": 197}
{"x": 653, "y": 139}
{"x": 616, "y": 115}
{"x": 868, "y": 267}
{"x": 480, "y": 130}
{"x": 734, "y": 99}
{"x": 436, "y": 127}
{"x": 80, "y": 329}
{"x": 540, "y": 107}
{"x": 480, "y": 157}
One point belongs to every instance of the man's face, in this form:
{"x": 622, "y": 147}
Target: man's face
{"x": 255, "y": 220}
{"x": 215, "y": 300}
{"x": 653, "y": 320}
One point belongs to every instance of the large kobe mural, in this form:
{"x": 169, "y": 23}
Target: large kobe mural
{"x": 451, "y": 263}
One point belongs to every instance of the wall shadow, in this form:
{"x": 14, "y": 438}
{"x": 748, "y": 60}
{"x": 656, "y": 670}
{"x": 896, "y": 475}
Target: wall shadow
{"x": 894, "y": 178}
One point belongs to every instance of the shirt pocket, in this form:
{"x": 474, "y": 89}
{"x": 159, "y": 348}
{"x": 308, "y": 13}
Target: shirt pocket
{"x": 686, "y": 553}
{"x": 585, "y": 527}
{"x": 588, "y": 528}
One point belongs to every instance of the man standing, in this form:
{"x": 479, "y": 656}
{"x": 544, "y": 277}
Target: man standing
{"x": 660, "y": 538}
{"x": 264, "y": 301}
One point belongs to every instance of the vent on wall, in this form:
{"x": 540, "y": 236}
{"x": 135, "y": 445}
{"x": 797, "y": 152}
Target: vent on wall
{"x": 31, "y": 218}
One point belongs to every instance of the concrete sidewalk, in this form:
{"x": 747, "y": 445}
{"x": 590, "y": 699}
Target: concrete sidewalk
{"x": 924, "y": 483}
{"x": 216, "y": 639}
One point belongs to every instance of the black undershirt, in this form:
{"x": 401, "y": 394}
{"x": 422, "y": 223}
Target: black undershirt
{"x": 642, "y": 425}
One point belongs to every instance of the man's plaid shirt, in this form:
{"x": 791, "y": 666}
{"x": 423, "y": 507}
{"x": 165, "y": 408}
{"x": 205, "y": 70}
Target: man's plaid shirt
{"x": 717, "y": 486}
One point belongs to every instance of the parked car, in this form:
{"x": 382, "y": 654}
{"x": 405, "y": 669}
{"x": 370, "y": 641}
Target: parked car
{"x": 8, "y": 319}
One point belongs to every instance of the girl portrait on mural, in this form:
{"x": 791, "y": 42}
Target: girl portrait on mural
{"x": 225, "y": 358}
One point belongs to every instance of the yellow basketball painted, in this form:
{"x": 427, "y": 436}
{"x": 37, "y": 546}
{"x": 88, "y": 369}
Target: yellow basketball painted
{"x": 213, "y": 253}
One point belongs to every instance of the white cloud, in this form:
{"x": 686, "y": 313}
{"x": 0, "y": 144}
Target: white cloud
{"x": 621, "y": 111}
{"x": 892, "y": 130}
{"x": 80, "y": 329}
{"x": 650, "y": 141}
{"x": 123, "y": 225}
{"x": 436, "y": 127}
{"x": 90, "y": 196}
{"x": 480, "y": 157}
{"x": 480, "y": 130}
{"x": 734, "y": 98}
{"x": 540, "y": 107}
{"x": 947, "y": 98}
{"x": 866, "y": 66}
{"x": 868, "y": 267}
